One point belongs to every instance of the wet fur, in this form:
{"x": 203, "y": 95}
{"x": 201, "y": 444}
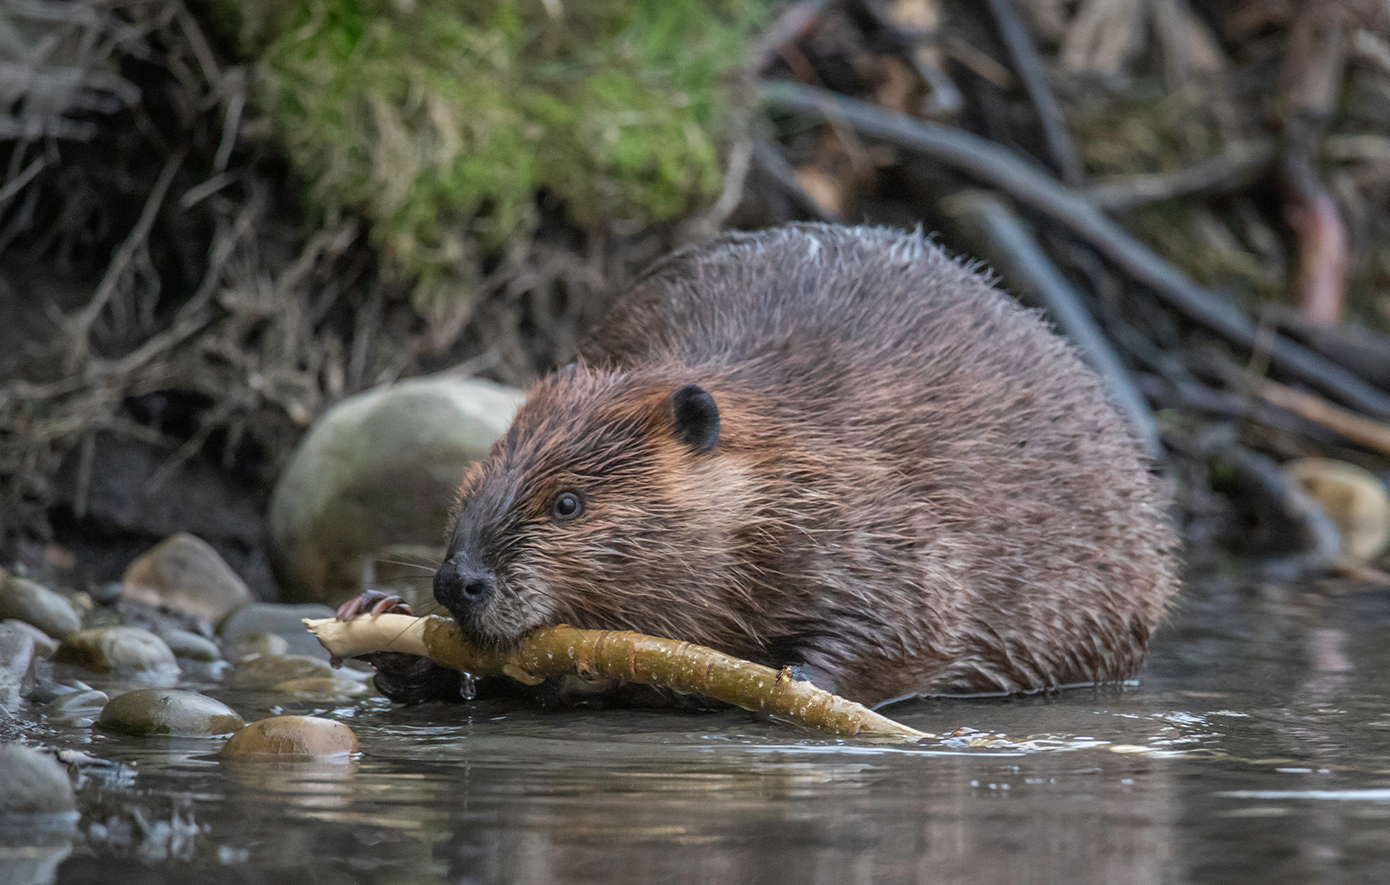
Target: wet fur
{"x": 916, "y": 486}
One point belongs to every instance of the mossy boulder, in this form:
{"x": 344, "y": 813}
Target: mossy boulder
{"x": 379, "y": 469}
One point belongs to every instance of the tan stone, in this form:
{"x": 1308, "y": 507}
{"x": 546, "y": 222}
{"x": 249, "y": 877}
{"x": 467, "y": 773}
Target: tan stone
{"x": 183, "y": 572}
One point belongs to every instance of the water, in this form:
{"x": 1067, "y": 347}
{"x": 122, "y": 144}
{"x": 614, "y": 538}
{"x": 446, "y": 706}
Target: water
{"x": 1254, "y": 749}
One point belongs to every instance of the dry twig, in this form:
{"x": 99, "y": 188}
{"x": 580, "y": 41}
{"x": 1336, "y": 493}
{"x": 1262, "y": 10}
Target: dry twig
{"x": 1236, "y": 166}
{"x": 1014, "y": 34}
{"x": 1373, "y": 435}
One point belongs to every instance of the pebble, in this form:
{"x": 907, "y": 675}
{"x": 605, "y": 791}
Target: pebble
{"x": 16, "y": 654}
{"x": 325, "y": 687}
{"x": 266, "y": 672}
{"x": 45, "y": 689}
{"x": 283, "y": 620}
{"x": 183, "y": 572}
{"x": 170, "y": 711}
{"x": 32, "y": 782}
{"x": 76, "y": 708}
{"x": 187, "y": 644}
{"x": 33, "y": 603}
{"x": 293, "y": 737}
{"x": 1353, "y": 498}
{"x": 123, "y": 649}
{"x": 254, "y": 645}
{"x": 44, "y": 645}
{"x": 108, "y": 594}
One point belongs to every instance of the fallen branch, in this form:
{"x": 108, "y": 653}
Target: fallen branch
{"x": 1025, "y": 182}
{"x": 1015, "y": 37}
{"x": 1236, "y": 166}
{"x": 1364, "y": 431}
{"x": 611, "y": 655}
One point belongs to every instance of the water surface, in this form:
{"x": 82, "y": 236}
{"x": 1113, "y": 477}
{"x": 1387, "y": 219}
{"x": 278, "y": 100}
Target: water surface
{"x": 1253, "y": 749}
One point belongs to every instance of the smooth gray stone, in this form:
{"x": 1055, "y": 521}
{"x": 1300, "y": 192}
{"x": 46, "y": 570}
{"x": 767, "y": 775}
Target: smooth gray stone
{"x": 186, "y": 644}
{"x": 377, "y": 470}
{"x": 254, "y": 645}
{"x": 44, "y": 645}
{"x": 32, "y": 782}
{"x": 122, "y": 649}
{"x": 35, "y": 604}
{"x": 282, "y": 620}
{"x": 168, "y": 711}
{"x": 16, "y": 654}
{"x": 184, "y": 573}
{"x": 77, "y": 708}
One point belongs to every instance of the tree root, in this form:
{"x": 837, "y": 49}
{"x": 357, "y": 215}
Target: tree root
{"x": 612, "y": 655}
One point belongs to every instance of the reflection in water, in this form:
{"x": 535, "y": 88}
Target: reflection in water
{"x": 30, "y": 853}
{"x": 1254, "y": 750}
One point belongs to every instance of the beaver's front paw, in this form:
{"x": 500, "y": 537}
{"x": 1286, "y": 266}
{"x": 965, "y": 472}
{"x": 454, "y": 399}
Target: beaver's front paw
{"x": 405, "y": 679}
{"x": 373, "y": 602}
{"x": 411, "y": 679}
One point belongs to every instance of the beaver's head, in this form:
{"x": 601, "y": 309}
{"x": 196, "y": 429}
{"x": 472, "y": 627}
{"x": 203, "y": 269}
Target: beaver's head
{"x": 612, "y": 502}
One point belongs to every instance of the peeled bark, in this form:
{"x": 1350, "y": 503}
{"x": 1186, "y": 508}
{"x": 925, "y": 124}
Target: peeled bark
{"x": 613, "y": 655}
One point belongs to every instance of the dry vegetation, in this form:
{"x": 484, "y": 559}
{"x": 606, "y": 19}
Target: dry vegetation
{"x": 202, "y": 242}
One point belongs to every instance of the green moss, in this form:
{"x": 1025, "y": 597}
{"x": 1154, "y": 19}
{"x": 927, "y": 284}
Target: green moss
{"x": 440, "y": 121}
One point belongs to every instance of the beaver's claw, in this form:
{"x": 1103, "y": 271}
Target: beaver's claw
{"x": 373, "y": 602}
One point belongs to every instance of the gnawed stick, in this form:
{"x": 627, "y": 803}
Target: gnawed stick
{"x": 612, "y": 654}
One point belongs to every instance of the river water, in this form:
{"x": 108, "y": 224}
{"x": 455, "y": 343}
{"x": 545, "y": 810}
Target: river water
{"x": 1255, "y": 748}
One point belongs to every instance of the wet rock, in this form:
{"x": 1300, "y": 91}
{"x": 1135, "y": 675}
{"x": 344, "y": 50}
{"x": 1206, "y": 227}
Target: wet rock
{"x": 337, "y": 685}
{"x": 266, "y": 672}
{"x": 183, "y": 572}
{"x": 108, "y": 594}
{"x": 254, "y": 645}
{"x": 304, "y": 737}
{"x": 170, "y": 711}
{"x": 32, "y": 782}
{"x": 1353, "y": 498}
{"x": 44, "y": 645}
{"x": 32, "y": 603}
{"x": 16, "y": 654}
{"x": 283, "y": 620}
{"x": 76, "y": 708}
{"x": 45, "y": 689}
{"x": 123, "y": 649}
{"x": 376, "y": 470}
{"x": 189, "y": 645}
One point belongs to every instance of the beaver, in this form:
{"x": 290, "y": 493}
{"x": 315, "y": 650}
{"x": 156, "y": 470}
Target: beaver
{"x": 832, "y": 448}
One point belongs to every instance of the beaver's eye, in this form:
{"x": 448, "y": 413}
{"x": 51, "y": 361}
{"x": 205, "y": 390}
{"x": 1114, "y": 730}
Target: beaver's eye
{"x": 567, "y": 506}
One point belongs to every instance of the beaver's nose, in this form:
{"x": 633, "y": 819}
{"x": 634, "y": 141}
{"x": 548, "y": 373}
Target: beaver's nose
{"x": 463, "y": 586}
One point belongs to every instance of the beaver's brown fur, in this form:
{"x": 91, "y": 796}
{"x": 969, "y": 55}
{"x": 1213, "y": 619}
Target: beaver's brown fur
{"x": 830, "y": 447}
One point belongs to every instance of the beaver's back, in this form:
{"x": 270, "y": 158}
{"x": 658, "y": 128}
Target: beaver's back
{"x": 1001, "y": 513}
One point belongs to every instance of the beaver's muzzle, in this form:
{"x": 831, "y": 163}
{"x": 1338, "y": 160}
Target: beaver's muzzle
{"x": 464, "y": 587}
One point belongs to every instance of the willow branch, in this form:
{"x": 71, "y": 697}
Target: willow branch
{"x": 611, "y": 655}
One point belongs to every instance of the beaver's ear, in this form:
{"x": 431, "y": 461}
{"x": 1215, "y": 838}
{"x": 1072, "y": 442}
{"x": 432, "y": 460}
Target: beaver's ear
{"x": 696, "y": 417}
